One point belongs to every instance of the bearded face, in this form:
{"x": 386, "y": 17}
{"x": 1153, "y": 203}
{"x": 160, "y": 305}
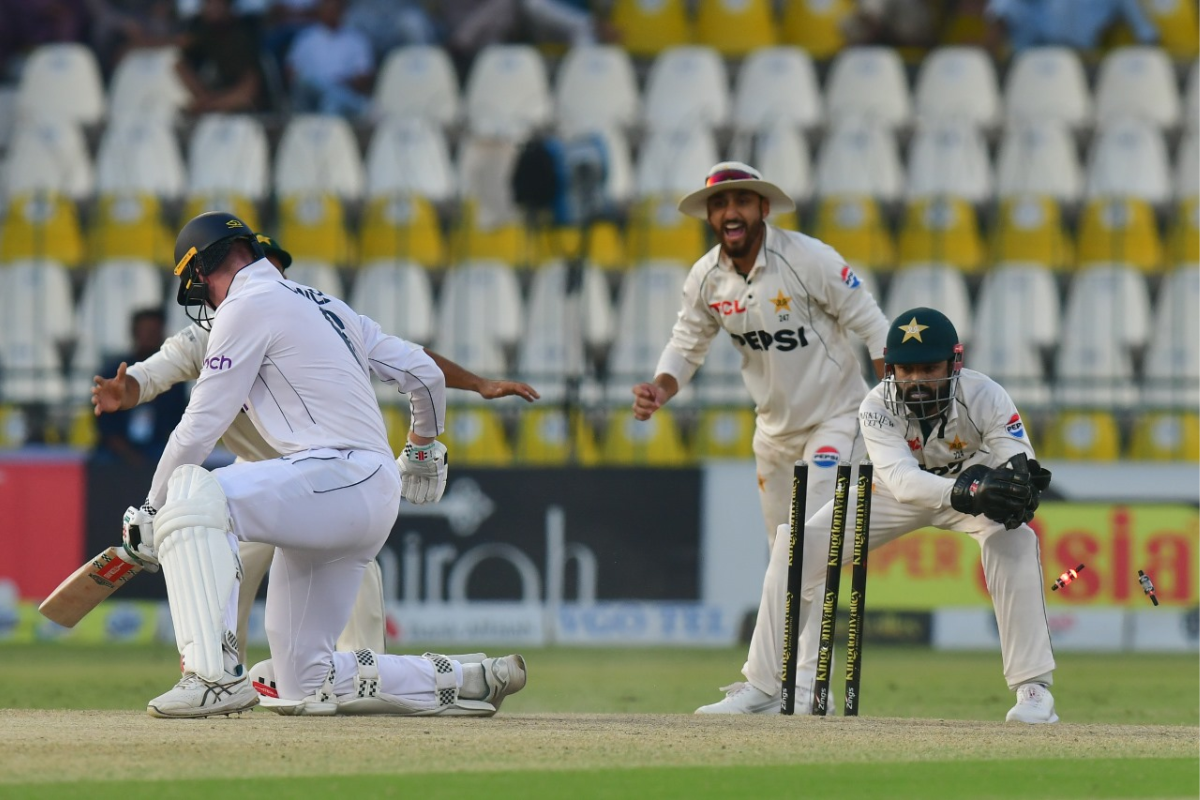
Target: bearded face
{"x": 737, "y": 219}
{"x": 924, "y": 388}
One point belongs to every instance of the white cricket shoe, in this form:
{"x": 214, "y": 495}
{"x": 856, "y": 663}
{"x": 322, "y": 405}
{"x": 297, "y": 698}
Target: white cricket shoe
{"x": 503, "y": 676}
{"x": 1035, "y": 705}
{"x": 742, "y": 698}
{"x": 194, "y": 697}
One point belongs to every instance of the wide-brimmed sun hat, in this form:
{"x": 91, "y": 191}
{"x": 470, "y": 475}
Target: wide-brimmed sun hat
{"x": 734, "y": 175}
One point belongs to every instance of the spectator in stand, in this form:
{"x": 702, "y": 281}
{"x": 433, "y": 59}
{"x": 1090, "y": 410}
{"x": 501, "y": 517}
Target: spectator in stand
{"x": 391, "y": 23}
{"x": 26, "y": 24}
{"x": 284, "y": 20}
{"x": 330, "y": 65}
{"x": 1034, "y": 23}
{"x": 119, "y": 26}
{"x": 137, "y": 436}
{"x": 219, "y": 63}
{"x": 895, "y": 23}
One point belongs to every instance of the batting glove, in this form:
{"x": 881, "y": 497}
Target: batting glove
{"x": 137, "y": 533}
{"x": 423, "y": 472}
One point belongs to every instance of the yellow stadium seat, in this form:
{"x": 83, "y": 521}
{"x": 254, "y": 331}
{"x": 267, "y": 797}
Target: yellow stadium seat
{"x": 606, "y": 245}
{"x": 854, "y": 227}
{"x": 1184, "y": 242}
{"x": 725, "y": 433}
{"x": 402, "y": 227}
{"x": 1119, "y": 229}
{"x": 815, "y": 25}
{"x": 545, "y": 437}
{"x": 648, "y": 27}
{"x": 476, "y": 436}
{"x": 943, "y": 230}
{"x": 396, "y": 420}
{"x": 130, "y": 226}
{"x": 314, "y": 227}
{"x": 1177, "y": 23}
{"x": 735, "y": 27}
{"x": 656, "y": 442}
{"x": 1164, "y": 436}
{"x": 1030, "y": 228}
{"x": 1083, "y": 436}
{"x": 42, "y": 225}
{"x": 507, "y": 242}
{"x": 788, "y": 220}
{"x": 83, "y": 433}
{"x": 658, "y": 231}
{"x": 241, "y": 207}
{"x": 14, "y": 427}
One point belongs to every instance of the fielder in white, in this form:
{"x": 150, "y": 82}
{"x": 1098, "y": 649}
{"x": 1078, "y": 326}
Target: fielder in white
{"x": 181, "y": 358}
{"x": 296, "y": 362}
{"x": 790, "y": 303}
{"x": 950, "y": 451}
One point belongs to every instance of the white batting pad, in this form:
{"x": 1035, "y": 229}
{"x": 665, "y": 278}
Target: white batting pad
{"x": 201, "y": 570}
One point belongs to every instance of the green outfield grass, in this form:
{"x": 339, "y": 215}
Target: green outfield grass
{"x": 599, "y": 723}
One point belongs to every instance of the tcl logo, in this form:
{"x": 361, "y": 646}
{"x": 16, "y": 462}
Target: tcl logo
{"x": 728, "y": 307}
{"x": 217, "y": 362}
{"x": 783, "y": 340}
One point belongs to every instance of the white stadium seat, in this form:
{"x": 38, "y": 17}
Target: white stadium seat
{"x": 688, "y": 87}
{"x": 1192, "y": 98}
{"x": 868, "y": 82}
{"x": 142, "y": 156}
{"x": 145, "y": 85}
{"x": 228, "y": 154}
{"x": 48, "y": 156}
{"x": 318, "y": 153}
{"x": 36, "y": 318}
{"x": 596, "y": 88}
{"x": 1128, "y": 158}
{"x": 507, "y": 92}
{"x": 484, "y": 169}
{"x": 647, "y": 304}
{"x": 480, "y": 313}
{"x": 1016, "y": 318}
{"x": 1137, "y": 82}
{"x": 777, "y": 85}
{"x": 1187, "y": 166}
{"x": 781, "y": 154}
{"x": 61, "y": 82}
{"x": 937, "y": 286}
{"x": 113, "y": 292}
{"x": 1173, "y": 354}
{"x": 397, "y": 295}
{"x": 418, "y": 81}
{"x": 949, "y": 157}
{"x": 409, "y": 156}
{"x": 320, "y": 275}
{"x": 860, "y": 158}
{"x": 1038, "y": 157}
{"x": 1048, "y": 83}
{"x": 958, "y": 83}
{"x": 674, "y": 162}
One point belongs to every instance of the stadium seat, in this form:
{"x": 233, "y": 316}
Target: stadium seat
{"x": 688, "y": 88}
{"x": 14, "y": 427}
{"x": 596, "y": 88}
{"x": 1017, "y": 318}
{"x": 402, "y": 227}
{"x": 1178, "y": 27}
{"x": 549, "y": 436}
{"x": 318, "y": 153}
{"x": 735, "y": 28}
{"x": 1184, "y": 242}
{"x": 815, "y": 25}
{"x": 1191, "y": 102}
{"x": 647, "y": 305}
{"x": 319, "y": 275}
{"x": 313, "y": 226}
{"x": 1119, "y": 229}
{"x": 114, "y": 290}
{"x": 228, "y": 155}
{"x": 480, "y": 314}
{"x": 1048, "y": 83}
{"x": 781, "y": 153}
{"x": 949, "y": 158}
{"x": 1030, "y": 228}
{"x": 41, "y": 225}
{"x": 1128, "y": 158}
{"x": 82, "y": 434}
{"x": 958, "y": 84}
{"x": 507, "y": 92}
{"x": 61, "y": 82}
{"x": 559, "y": 327}
{"x": 1172, "y": 377}
{"x": 647, "y": 27}
{"x": 719, "y": 380}
{"x": 657, "y": 230}
{"x": 145, "y": 85}
{"x": 941, "y": 229}
{"x": 1187, "y": 167}
{"x": 939, "y": 286}
{"x": 505, "y": 240}
{"x": 409, "y": 156}
{"x": 140, "y": 156}
{"x": 1038, "y": 157}
{"x": 1107, "y": 318}
{"x": 490, "y": 225}
{"x": 1166, "y": 436}
{"x": 675, "y": 162}
{"x": 36, "y": 319}
{"x": 777, "y": 85}
{"x": 724, "y": 433}
{"x": 476, "y": 437}
{"x": 868, "y": 83}
{"x": 128, "y": 224}
{"x": 418, "y": 82}
{"x": 656, "y": 442}
{"x": 1137, "y": 82}
{"x": 860, "y": 158}
{"x": 48, "y": 156}
{"x": 854, "y": 226}
{"x": 398, "y": 295}
{"x": 606, "y": 247}
{"x": 1082, "y": 436}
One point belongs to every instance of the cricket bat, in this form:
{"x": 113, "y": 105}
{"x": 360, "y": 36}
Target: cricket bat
{"x": 88, "y": 586}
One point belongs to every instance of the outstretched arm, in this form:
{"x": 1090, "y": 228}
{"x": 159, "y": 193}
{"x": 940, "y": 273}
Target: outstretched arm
{"x": 459, "y": 378}
{"x": 118, "y": 393}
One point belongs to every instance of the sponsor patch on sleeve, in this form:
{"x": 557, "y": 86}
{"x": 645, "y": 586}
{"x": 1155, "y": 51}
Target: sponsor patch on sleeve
{"x": 1015, "y": 427}
{"x": 849, "y": 278}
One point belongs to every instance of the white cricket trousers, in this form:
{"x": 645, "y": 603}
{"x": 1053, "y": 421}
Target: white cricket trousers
{"x": 1012, "y": 568}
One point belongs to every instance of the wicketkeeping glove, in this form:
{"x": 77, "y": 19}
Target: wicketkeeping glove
{"x": 137, "y": 533}
{"x": 423, "y": 472}
{"x": 1002, "y": 494}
